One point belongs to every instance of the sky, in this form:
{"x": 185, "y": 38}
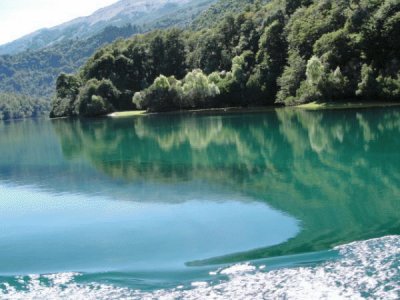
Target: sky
{"x": 21, "y": 17}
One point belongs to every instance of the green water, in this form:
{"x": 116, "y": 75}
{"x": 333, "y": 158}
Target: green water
{"x": 174, "y": 195}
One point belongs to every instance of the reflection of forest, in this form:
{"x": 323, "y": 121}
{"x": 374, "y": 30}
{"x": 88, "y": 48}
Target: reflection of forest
{"x": 336, "y": 171}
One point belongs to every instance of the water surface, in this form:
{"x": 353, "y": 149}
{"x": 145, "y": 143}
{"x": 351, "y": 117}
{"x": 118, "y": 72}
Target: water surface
{"x": 163, "y": 201}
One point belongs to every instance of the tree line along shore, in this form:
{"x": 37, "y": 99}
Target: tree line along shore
{"x": 289, "y": 52}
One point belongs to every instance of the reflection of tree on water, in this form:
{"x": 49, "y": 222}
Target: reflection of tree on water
{"x": 337, "y": 172}
{"x": 340, "y": 180}
{"x": 162, "y": 147}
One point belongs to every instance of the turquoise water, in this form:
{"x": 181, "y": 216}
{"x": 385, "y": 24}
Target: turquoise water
{"x": 284, "y": 203}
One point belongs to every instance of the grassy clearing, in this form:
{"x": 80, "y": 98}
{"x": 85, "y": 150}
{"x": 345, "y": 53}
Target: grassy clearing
{"x": 344, "y": 105}
{"x": 124, "y": 114}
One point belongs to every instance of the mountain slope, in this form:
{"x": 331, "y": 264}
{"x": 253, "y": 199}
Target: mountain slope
{"x": 33, "y": 72}
{"x": 221, "y": 9}
{"x": 134, "y": 12}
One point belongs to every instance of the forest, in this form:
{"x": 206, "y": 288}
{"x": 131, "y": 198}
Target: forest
{"x": 34, "y": 71}
{"x": 17, "y": 106}
{"x": 280, "y": 52}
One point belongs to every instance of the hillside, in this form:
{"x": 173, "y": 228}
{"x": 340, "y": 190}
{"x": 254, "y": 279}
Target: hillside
{"x": 33, "y": 72}
{"x": 120, "y": 14}
{"x": 288, "y": 52}
{"x": 220, "y": 10}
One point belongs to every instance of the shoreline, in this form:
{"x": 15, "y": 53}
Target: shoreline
{"x": 344, "y": 105}
{"x": 259, "y": 109}
{"x": 226, "y": 110}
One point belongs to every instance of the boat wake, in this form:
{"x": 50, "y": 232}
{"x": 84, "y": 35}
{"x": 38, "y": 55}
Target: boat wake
{"x": 365, "y": 269}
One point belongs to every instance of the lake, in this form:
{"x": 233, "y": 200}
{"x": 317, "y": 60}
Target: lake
{"x": 283, "y": 203}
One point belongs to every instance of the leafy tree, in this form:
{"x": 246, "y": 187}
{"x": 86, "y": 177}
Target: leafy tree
{"x": 389, "y": 87}
{"x": 315, "y": 71}
{"x": 197, "y": 89}
{"x": 160, "y": 96}
{"x": 291, "y": 78}
{"x": 67, "y": 93}
{"x": 211, "y": 53}
{"x": 270, "y": 61}
{"x": 157, "y": 54}
{"x": 175, "y": 53}
{"x": 321, "y": 84}
{"x": 292, "y": 5}
{"x": 335, "y": 86}
{"x": 96, "y": 98}
{"x": 368, "y": 86}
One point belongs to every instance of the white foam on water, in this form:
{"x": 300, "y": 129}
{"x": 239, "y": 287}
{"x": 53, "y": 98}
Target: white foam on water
{"x": 367, "y": 269}
{"x": 238, "y": 269}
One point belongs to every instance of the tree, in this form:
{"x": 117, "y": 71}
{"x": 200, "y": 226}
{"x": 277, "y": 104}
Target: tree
{"x": 321, "y": 84}
{"x": 102, "y": 67}
{"x": 292, "y": 5}
{"x": 315, "y": 71}
{"x": 95, "y": 98}
{"x": 389, "y": 87}
{"x": 368, "y": 86}
{"x": 175, "y": 53}
{"x": 197, "y": 89}
{"x": 291, "y": 78}
{"x": 67, "y": 86}
{"x": 67, "y": 92}
{"x": 270, "y": 61}
{"x": 160, "y": 96}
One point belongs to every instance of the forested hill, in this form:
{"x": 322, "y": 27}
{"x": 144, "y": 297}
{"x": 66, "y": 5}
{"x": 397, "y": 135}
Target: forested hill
{"x": 14, "y": 106}
{"x": 34, "y": 72}
{"x": 290, "y": 52}
{"x": 220, "y": 10}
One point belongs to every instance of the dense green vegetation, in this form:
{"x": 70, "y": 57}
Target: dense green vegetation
{"x": 290, "y": 52}
{"x": 34, "y": 72}
{"x": 220, "y": 10}
{"x": 15, "y": 106}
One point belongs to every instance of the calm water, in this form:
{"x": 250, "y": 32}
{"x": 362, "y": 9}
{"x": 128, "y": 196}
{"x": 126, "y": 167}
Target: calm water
{"x": 285, "y": 203}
